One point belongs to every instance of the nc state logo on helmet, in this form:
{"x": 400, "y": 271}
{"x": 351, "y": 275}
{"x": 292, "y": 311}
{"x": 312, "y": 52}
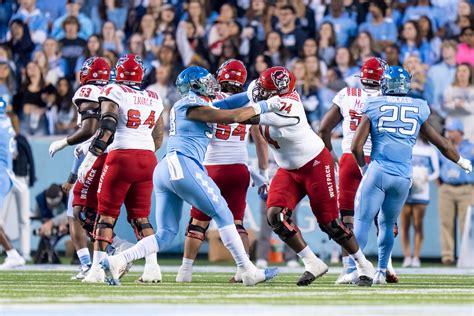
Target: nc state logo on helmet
{"x": 232, "y": 71}
{"x": 95, "y": 70}
{"x": 130, "y": 70}
{"x": 274, "y": 81}
{"x": 372, "y": 70}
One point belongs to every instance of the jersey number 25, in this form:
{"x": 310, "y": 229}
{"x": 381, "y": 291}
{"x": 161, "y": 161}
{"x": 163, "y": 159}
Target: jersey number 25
{"x": 393, "y": 114}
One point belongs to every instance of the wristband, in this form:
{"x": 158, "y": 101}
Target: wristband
{"x": 72, "y": 178}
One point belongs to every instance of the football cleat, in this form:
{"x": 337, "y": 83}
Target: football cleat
{"x": 347, "y": 277}
{"x": 151, "y": 274}
{"x": 95, "y": 275}
{"x": 114, "y": 267}
{"x": 391, "y": 274}
{"x": 261, "y": 264}
{"x": 364, "y": 281}
{"x": 313, "y": 270}
{"x": 12, "y": 262}
{"x": 366, "y": 268}
{"x": 254, "y": 276}
{"x": 237, "y": 278}
{"x": 380, "y": 278}
{"x": 185, "y": 274}
{"x": 83, "y": 269}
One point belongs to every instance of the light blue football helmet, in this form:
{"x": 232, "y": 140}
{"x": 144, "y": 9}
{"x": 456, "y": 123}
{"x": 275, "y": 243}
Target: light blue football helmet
{"x": 396, "y": 81}
{"x": 197, "y": 80}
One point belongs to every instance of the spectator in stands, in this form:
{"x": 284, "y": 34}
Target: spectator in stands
{"x": 165, "y": 89}
{"x": 464, "y": 18}
{"x": 86, "y": 27}
{"x": 262, "y": 63}
{"x": 257, "y": 20}
{"x": 111, "y": 38}
{"x": 292, "y": 36}
{"x": 392, "y": 55}
{"x": 7, "y": 81}
{"x": 50, "y": 76}
{"x": 154, "y": 8}
{"x": 20, "y": 44}
{"x": 276, "y": 50}
{"x": 415, "y": 68}
{"x": 425, "y": 169}
{"x": 196, "y": 15}
{"x": 363, "y": 48}
{"x": 428, "y": 36}
{"x": 166, "y": 21}
{"x": 72, "y": 46}
{"x": 218, "y": 33}
{"x": 305, "y": 17}
{"x": 383, "y": 31}
{"x": 424, "y": 8}
{"x": 52, "y": 9}
{"x": 459, "y": 99}
{"x": 434, "y": 89}
{"x": 66, "y": 117}
{"x": 93, "y": 49}
{"x": 34, "y": 18}
{"x": 412, "y": 44}
{"x": 307, "y": 90}
{"x": 114, "y": 11}
{"x": 344, "y": 26}
{"x": 346, "y": 65}
{"x": 316, "y": 71}
{"x": 29, "y": 104}
{"x": 6, "y": 11}
{"x": 465, "y": 51}
{"x": 190, "y": 44}
{"x": 150, "y": 38}
{"x": 455, "y": 192}
{"x": 327, "y": 43}
{"x": 50, "y": 202}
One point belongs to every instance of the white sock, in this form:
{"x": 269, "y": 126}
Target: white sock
{"x": 308, "y": 256}
{"x": 345, "y": 261}
{"x": 143, "y": 248}
{"x": 84, "y": 256}
{"x": 12, "y": 253}
{"x": 98, "y": 257}
{"x": 187, "y": 263}
{"x": 151, "y": 259}
{"x": 358, "y": 256}
{"x": 231, "y": 240}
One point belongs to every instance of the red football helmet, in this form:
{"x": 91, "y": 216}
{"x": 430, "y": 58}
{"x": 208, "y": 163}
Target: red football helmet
{"x": 274, "y": 81}
{"x": 372, "y": 70}
{"x": 95, "y": 70}
{"x": 232, "y": 71}
{"x": 130, "y": 70}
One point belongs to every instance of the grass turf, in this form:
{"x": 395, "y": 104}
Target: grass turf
{"x": 26, "y": 287}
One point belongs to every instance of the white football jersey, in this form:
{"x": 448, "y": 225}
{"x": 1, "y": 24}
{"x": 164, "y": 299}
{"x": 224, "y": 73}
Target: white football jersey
{"x": 350, "y": 102}
{"x": 292, "y": 146}
{"x": 228, "y": 144}
{"x": 86, "y": 93}
{"x": 138, "y": 112}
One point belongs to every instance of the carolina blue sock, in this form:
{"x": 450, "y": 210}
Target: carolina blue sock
{"x": 84, "y": 256}
{"x": 361, "y": 232}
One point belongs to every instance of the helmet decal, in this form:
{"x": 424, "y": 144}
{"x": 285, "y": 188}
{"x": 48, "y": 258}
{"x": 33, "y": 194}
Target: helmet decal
{"x": 281, "y": 79}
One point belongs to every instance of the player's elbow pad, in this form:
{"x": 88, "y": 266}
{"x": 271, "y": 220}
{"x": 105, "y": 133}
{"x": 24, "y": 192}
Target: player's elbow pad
{"x": 108, "y": 123}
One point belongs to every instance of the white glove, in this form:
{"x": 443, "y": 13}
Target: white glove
{"x": 57, "y": 146}
{"x": 78, "y": 153}
{"x": 273, "y": 104}
{"x": 465, "y": 164}
{"x": 86, "y": 165}
{"x": 260, "y": 179}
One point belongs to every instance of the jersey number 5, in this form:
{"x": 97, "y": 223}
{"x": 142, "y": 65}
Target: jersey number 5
{"x": 355, "y": 120}
{"x": 393, "y": 114}
{"x": 134, "y": 119}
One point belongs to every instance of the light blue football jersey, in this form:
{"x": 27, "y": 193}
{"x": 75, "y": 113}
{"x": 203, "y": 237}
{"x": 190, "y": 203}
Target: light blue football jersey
{"x": 395, "y": 124}
{"x": 6, "y": 142}
{"x": 186, "y": 136}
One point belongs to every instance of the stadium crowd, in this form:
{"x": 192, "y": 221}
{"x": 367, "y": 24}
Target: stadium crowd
{"x": 44, "y": 44}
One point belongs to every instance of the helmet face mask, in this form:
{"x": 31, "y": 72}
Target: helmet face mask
{"x": 197, "y": 80}
{"x": 396, "y": 81}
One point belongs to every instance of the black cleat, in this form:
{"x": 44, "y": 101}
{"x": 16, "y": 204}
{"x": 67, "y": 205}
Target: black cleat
{"x": 306, "y": 279}
{"x": 364, "y": 281}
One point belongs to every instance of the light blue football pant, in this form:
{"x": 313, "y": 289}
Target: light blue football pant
{"x": 6, "y": 185}
{"x": 178, "y": 178}
{"x": 379, "y": 191}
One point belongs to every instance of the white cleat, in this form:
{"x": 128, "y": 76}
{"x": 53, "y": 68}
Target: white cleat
{"x": 95, "y": 275}
{"x": 261, "y": 264}
{"x": 151, "y": 274}
{"x": 12, "y": 263}
{"x": 313, "y": 269}
{"x": 113, "y": 267}
{"x": 253, "y": 276}
{"x": 366, "y": 273}
{"x": 185, "y": 274}
{"x": 379, "y": 278}
{"x": 83, "y": 270}
{"x": 347, "y": 277}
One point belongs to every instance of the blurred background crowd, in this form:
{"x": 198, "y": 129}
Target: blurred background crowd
{"x": 43, "y": 44}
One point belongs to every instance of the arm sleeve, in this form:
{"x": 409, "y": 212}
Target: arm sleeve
{"x": 76, "y": 164}
{"x": 435, "y": 163}
{"x": 278, "y": 120}
{"x": 233, "y": 102}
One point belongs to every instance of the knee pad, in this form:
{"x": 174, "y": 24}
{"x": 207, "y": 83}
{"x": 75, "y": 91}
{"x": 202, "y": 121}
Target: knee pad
{"x": 87, "y": 217}
{"x": 241, "y": 229}
{"x": 103, "y": 224}
{"x": 281, "y": 223}
{"x": 138, "y": 225}
{"x": 345, "y": 213}
{"x": 336, "y": 230}
{"x": 195, "y": 231}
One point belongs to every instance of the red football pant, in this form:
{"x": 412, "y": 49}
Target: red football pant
{"x": 349, "y": 180}
{"x": 233, "y": 181}
{"x": 127, "y": 178}
{"x": 315, "y": 179}
{"x": 85, "y": 194}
